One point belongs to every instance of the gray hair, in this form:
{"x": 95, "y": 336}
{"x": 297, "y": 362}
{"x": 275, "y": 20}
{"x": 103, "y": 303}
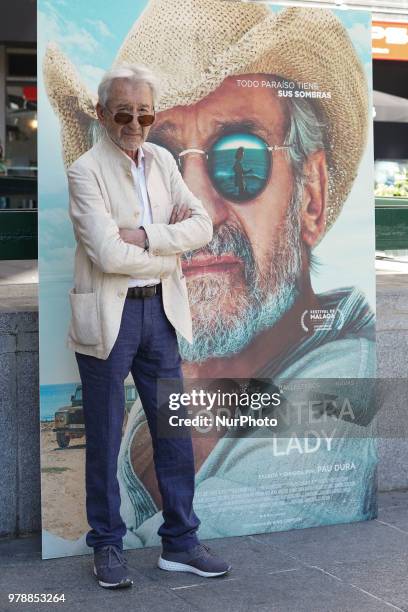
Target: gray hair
{"x": 306, "y": 133}
{"x": 137, "y": 73}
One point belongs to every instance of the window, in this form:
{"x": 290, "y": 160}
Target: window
{"x": 18, "y": 158}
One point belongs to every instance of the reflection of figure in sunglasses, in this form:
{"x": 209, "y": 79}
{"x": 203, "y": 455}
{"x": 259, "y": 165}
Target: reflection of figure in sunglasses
{"x": 239, "y": 171}
{"x": 250, "y": 288}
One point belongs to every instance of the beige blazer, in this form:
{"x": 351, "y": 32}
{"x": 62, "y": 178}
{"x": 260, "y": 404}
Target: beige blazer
{"x": 102, "y": 199}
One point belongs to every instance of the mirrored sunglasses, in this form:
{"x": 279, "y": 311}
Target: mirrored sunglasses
{"x": 238, "y": 164}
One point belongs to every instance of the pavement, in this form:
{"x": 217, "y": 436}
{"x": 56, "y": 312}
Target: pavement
{"x": 358, "y": 567}
{"x": 18, "y": 285}
{"x": 390, "y": 263}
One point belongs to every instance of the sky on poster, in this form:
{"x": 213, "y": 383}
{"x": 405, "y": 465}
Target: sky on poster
{"x": 90, "y": 34}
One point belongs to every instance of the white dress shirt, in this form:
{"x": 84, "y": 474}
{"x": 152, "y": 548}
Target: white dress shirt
{"x": 139, "y": 180}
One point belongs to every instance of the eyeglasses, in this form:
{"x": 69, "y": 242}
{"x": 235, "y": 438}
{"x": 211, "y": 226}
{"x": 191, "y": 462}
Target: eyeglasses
{"x": 239, "y": 165}
{"x": 123, "y": 118}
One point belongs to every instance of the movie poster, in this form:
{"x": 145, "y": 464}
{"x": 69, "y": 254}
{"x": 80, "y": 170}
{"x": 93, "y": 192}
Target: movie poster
{"x": 268, "y": 112}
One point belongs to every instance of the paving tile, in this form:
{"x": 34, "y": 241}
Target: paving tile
{"x": 395, "y": 517}
{"x": 303, "y": 590}
{"x": 392, "y": 498}
{"x": 338, "y": 543}
{"x": 386, "y": 578}
{"x": 70, "y": 574}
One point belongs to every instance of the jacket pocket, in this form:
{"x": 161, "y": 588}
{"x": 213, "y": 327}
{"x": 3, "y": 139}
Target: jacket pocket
{"x": 85, "y": 328}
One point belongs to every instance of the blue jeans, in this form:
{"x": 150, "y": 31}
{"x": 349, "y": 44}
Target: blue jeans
{"x": 147, "y": 347}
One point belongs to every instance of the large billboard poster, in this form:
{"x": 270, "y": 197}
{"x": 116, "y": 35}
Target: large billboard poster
{"x": 268, "y": 112}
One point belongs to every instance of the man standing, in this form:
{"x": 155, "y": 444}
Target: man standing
{"x": 133, "y": 217}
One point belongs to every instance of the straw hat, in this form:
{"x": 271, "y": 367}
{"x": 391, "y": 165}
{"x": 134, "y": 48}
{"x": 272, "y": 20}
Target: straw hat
{"x": 194, "y": 45}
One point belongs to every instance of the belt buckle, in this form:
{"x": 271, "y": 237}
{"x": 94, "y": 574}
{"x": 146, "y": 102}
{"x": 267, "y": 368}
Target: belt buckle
{"x": 135, "y": 292}
{"x": 155, "y": 289}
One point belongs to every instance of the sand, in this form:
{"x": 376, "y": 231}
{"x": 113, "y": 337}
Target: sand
{"x": 63, "y": 485}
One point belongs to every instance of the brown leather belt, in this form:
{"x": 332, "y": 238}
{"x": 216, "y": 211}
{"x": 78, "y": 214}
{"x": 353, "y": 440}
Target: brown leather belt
{"x": 143, "y": 292}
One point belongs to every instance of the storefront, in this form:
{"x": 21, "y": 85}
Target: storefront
{"x": 18, "y": 132}
{"x": 390, "y": 76}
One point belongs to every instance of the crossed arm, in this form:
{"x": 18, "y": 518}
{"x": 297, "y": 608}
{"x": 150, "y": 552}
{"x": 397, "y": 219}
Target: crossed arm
{"x": 138, "y": 236}
{"x": 190, "y": 226}
{"x": 121, "y": 251}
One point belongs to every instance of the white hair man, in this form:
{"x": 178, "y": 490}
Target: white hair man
{"x": 133, "y": 217}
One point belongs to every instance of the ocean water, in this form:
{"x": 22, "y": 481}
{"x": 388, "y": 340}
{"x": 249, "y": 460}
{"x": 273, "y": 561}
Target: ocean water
{"x": 53, "y": 397}
{"x": 256, "y": 165}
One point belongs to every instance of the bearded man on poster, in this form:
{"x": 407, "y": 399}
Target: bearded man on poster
{"x": 273, "y": 171}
